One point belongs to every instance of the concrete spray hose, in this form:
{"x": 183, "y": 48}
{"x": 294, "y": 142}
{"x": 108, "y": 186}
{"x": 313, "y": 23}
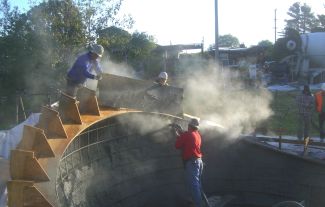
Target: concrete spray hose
{"x": 288, "y": 204}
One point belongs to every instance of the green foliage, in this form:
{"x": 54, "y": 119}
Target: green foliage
{"x": 280, "y": 49}
{"x": 321, "y": 19}
{"x": 50, "y": 34}
{"x": 265, "y": 43}
{"x": 286, "y": 114}
{"x": 228, "y": 41}
{"x": 134, "y": 48}
{"x": 100, "y": 14}
{"x": 67, "y": 28}
{"x": 141, "y": 45}
{"x": 36, "y": 49}
{"x": 115, "y": 41}
{"x": 321, "y": 27}
{"x": 140, "y": 51}
{"x": 268, "y": 45}
{"x": 302, "y": 19}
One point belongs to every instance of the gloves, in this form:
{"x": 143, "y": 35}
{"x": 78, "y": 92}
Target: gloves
{"x": 98, "y": 77}
{"x": 178, "y": 129}
{"x": 176, "y": 126}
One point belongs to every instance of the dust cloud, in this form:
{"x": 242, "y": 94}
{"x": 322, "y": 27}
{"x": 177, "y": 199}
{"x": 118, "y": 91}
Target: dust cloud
{"x": 121, "y": 69}
{"x": 219, "y": 96}
{"x": 154, "y": 125}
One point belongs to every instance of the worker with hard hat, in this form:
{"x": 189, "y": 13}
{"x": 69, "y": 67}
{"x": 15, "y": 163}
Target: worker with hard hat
{"x": 320, "y": 108}
{"x": 82, "y": 69}
{"x": 305, "y": 104}
{"x": 189, "y": 142}
{"x": 162, "y": 79}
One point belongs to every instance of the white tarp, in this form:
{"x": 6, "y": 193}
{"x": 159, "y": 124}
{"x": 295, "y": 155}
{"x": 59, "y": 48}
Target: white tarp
{"x": 3, "y": 198}
{"x": 8, "y": 141}
{"x": 10, "y": 138}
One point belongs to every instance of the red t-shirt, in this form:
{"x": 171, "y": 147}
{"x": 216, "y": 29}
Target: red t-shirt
{"x": 190, "y": 144}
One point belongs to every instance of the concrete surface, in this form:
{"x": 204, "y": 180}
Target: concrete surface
{"x": 130, "y": 160}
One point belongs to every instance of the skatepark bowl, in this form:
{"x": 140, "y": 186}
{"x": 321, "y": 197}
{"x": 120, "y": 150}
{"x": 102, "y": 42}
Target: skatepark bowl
{"x": 119, "y": 162}
{"x": 83, "y": 155}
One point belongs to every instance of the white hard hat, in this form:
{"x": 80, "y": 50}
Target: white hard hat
{"x": 194, "y": 123}
{"x": 322, "y": 87}
{"x": 163, "y": 75}
{"x": 97, "y": 49}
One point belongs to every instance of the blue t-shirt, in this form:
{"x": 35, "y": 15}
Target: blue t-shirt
{"x": 81, "y": 69}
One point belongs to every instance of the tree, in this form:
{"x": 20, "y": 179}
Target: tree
{"x": 135, "y": 49}
{"x": 37, "y": 45}
{"x": 54, "y": 33}
{"x": 321, "y": 19}
{"x": 140, "y": 51}
{"x": 141, "y": 45}
{"x": 116, "y": 42}
{"x": 8, "y": 17}
{"x": 265, "y": 43}
{"x": 4, "y": 13}
{"x": 228, "y": 41}
{"x": 268, "y": 45}
{"x": 101, "y": 14}
{"x": 280, "y": 47}
{"x": 302, "y": 19}
{"x": 321, "y": 28}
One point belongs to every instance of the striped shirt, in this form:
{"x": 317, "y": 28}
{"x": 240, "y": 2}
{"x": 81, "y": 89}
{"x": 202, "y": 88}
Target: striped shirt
{"x": 305, "y": 104}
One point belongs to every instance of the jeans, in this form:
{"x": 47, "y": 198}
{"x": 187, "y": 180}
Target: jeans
{"x": 321, "y": 119}
{"x": 193, "y": 172}
{"x": 72, "y": 88}
{"x": 303, "y": 126}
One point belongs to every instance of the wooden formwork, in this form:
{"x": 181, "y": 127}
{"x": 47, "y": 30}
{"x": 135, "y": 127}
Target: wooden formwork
{"x": 33, "y": 163}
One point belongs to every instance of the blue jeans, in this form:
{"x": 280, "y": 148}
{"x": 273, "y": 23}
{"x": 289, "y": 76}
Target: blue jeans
{"x": 193, "y": 172}
{"x": 72, "y": 88}
{"x": 303, "y": 126}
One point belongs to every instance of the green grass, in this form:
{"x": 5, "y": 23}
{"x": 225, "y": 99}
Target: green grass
{"x": 285, "y": 115}
{"x": 283, "y": 106}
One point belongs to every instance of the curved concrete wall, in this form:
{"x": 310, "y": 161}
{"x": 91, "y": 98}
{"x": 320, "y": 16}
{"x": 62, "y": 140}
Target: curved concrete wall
{"x": 260, "y": 176}
{"x": 130, "y": 160}
{"x": 125, "y": 161}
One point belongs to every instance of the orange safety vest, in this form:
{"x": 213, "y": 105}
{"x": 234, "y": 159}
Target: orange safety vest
{"x": 319, "y": 101}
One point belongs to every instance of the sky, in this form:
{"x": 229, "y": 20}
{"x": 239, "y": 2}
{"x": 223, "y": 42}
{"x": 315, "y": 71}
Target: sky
{"x": 193, "y": 21}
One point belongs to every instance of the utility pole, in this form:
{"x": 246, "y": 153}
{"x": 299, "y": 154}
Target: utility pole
{"x": 216, "y": 53}
{"x": 89, "y": 14}
{"x": 274, "y": 25}
{"x": 165, "y": 61}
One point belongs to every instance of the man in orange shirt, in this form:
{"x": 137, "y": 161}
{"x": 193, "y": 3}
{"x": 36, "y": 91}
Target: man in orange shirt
{"x": 320, "y": 108}
{"x": 190, "y": 144}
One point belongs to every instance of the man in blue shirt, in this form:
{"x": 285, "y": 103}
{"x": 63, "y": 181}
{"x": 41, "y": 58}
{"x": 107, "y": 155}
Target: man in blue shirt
{"x": 82, "y": 68}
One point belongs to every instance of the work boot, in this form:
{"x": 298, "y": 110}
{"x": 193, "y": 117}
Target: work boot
{"x": 306, "y": 141}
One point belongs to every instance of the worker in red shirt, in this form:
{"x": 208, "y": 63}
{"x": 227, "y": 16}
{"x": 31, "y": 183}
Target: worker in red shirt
{"x": 190, "y": 144}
